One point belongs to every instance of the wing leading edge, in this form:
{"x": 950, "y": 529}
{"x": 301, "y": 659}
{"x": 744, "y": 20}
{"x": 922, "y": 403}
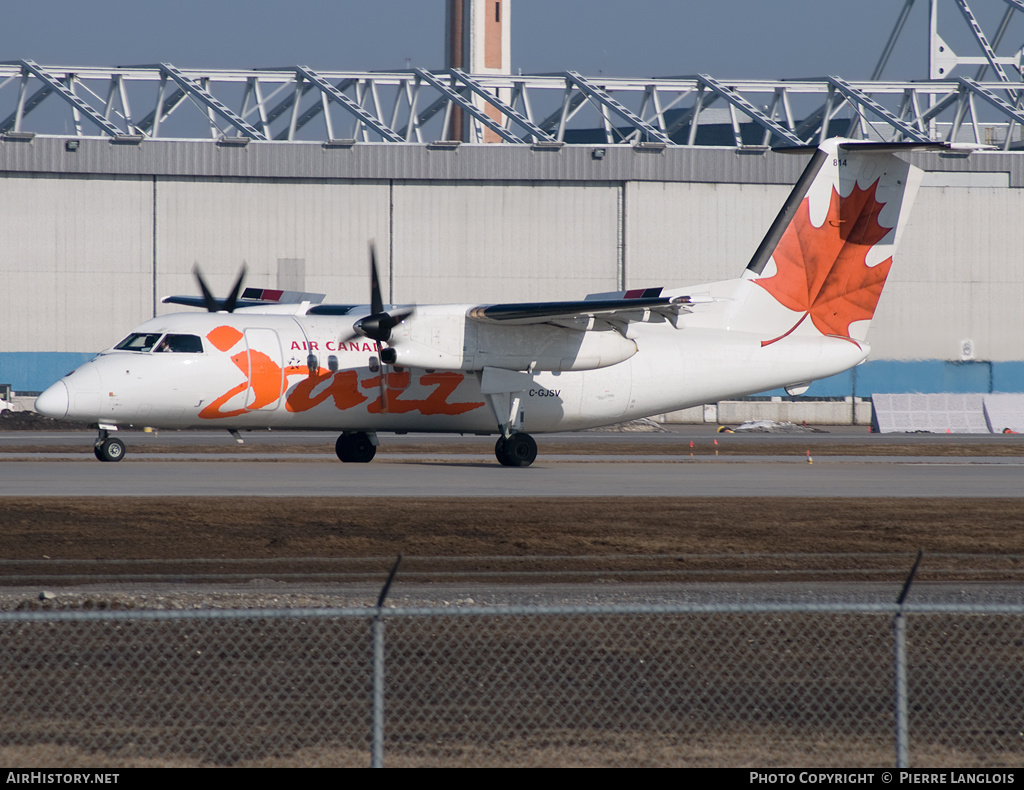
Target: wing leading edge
{"x": 253, "y": 297}
{"x": 590, "y": 311}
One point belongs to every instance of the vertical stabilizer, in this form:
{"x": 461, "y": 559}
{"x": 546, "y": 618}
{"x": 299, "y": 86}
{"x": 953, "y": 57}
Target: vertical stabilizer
{"x": 823, "y": 263}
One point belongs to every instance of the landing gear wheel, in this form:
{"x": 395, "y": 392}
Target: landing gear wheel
{"x": 109, "y": 450}
{"x": 355, "y": 448}
{"x": 519, "y": 449}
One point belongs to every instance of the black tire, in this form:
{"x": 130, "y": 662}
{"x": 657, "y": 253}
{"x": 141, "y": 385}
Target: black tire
{"x": 519, "y": 449}
{"x": 355, "y": 448}
{"x": 109, "y": 450}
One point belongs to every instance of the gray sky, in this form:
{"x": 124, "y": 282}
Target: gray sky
{"x": 752, "y": 39}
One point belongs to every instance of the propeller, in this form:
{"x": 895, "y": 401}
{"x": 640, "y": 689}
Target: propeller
{"x": 377, "y": 326}
{"x": 213, "y": 304}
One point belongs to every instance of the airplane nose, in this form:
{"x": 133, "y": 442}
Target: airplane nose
{"x": 53, "y": 402}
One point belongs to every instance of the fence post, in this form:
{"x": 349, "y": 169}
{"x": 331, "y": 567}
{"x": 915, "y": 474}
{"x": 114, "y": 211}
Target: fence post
{"x": 377, "y": 633}
{"x": 899, "y": 629}
{"x": 902, "y": 720}
{"x": 377, "y": 629}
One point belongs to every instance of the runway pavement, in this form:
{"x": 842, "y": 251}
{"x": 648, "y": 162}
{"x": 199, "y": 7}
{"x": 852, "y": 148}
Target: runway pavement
{"x": 50, "y": 469}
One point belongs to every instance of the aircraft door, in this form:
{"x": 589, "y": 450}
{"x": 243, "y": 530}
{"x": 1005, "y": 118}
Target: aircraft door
{"x": 266, "y": 369}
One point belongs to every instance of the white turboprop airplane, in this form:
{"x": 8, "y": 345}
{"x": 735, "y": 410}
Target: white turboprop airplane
{"x": 269, "y": 359}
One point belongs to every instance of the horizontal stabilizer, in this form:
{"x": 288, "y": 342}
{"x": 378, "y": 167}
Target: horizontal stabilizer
{"x": 877, "y": 147}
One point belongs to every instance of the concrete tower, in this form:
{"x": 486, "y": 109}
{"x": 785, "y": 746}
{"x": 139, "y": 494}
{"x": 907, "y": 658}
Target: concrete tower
{"x": 478, "y": 40}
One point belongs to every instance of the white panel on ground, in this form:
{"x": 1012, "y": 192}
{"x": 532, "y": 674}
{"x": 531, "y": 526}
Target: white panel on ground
{"x": 1004, "y": 411}
{"x": 941, "y": 412}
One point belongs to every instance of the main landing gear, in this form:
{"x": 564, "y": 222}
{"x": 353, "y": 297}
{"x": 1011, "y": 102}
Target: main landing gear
{"x": 356, "y": 448}
{"x": 107, "y": 448}
{"x": 519, "y": 449}
{"x": 504, "y": 390}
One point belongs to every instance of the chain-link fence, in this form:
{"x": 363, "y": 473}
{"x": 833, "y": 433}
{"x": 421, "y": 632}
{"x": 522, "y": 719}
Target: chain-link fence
{"x": 704, "y": 684}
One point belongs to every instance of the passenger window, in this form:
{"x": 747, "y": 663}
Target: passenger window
{"x": 181, "y": 344}
{"x": 138, "y": 341}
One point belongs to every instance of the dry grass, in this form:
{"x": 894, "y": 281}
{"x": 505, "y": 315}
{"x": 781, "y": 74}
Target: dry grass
{"x": 240, "y": 527}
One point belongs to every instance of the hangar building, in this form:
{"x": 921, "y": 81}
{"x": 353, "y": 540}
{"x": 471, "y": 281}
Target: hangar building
{"x": 115, "y": 182}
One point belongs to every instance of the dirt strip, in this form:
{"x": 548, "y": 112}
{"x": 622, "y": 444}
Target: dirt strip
{"x": 237, "y": 527}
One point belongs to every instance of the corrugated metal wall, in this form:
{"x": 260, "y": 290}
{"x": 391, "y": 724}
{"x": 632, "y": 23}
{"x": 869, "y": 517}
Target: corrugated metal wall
{"x": 470, "y": 241}
{"x": 76, "y": 255}
{"x": 323, "y": 227}
{"x": 959, "y": 276}
{"x": 687, "y": 234}
{"x": 85, "y": 256}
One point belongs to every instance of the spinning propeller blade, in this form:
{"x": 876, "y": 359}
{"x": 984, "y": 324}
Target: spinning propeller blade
{"x": 376, "y": 302}
{"x": 213, "y": 304}
{"x": 378, "y": 324}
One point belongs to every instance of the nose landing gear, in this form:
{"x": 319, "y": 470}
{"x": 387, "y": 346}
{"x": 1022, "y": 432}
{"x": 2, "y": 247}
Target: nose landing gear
{"x": 107, "y": 448}
{"x": 356, "y": 448}
{"x": 519, "y": 449}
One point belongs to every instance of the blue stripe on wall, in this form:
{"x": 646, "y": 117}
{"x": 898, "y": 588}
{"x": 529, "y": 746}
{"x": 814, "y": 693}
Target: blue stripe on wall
{"x": 929, "y": 375}
{"x": 30, "y": 371}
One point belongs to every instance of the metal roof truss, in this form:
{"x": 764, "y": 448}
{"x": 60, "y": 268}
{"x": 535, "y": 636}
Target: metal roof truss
{"x": 414, "y": 105}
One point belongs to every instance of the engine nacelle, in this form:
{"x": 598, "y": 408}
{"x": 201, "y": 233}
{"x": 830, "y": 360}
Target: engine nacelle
{"x": 450, "y": 340}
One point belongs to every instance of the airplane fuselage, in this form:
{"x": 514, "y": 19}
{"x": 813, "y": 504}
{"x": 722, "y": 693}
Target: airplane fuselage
{"x": 255, "y": 371}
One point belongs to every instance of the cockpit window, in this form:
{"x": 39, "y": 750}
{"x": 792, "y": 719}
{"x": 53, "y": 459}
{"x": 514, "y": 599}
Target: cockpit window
{"x": 138, "y": 341}
{"x": 147, "y": 341}
{"x": 181, "y": 344}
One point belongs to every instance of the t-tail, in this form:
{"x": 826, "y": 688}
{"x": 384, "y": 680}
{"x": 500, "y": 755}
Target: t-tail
{"x": 824, "y": 261}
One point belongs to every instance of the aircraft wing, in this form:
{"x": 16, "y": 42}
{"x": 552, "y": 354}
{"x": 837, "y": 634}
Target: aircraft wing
{"x": 587, "y": 313}
{"x": 253, "y": 297}
{"x": 198, "y": 301}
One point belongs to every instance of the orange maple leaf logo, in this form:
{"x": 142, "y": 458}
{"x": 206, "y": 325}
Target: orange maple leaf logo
{"x": 823, "y": 272}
